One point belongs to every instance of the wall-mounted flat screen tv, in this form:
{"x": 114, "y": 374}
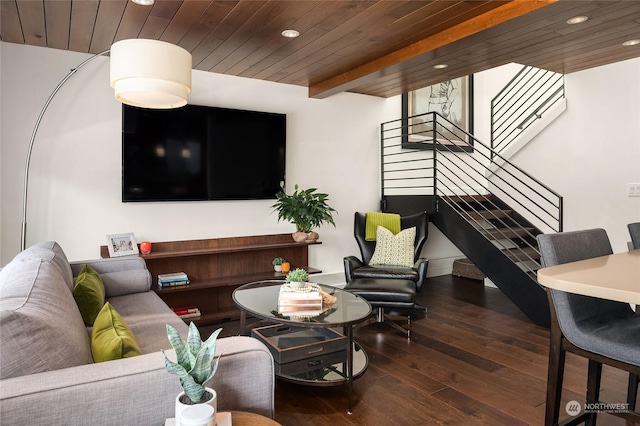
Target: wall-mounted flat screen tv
{"x": 197, "y": 153}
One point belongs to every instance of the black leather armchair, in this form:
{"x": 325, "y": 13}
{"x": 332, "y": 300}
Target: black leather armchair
{"x": 356, "y": 268}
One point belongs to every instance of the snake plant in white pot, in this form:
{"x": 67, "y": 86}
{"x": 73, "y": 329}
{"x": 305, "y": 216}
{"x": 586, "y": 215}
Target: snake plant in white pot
{"x": 196, "y": 364}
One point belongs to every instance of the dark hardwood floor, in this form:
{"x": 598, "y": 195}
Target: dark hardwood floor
{"x": 474, "y": 359}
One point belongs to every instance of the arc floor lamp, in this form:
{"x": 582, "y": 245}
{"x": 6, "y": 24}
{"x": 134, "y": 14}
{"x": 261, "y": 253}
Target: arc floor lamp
{"x": 143, "y": 73}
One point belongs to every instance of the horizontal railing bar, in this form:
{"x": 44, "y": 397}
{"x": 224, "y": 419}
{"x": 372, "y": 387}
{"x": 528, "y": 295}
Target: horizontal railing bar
{"x": 514, "y": 166}
{"x": 513, "y": 188}
{"x": 520, "y": 100}
{"x": 508, "y": 87}
{"x": 520, "y": 192}
{"x": 523, "y": 105}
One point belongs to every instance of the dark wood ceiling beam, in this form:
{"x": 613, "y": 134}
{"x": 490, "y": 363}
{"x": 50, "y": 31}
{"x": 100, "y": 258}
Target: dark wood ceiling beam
{"x": 439, "y": 16}
{"x": 490, "y": 48}
{"x": 391, "y": 62}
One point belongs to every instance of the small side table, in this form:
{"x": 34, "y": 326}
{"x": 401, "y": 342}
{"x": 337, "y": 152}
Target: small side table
{"x": 239, "y": 418}
{"x": 243, "y": 418}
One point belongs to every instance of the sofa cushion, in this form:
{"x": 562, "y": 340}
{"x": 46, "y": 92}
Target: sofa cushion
{"x": 147, "y": 316}
{"x": 89, "y": 294}
{"x": 42, "y": 329}
{"x": 111, "y": 338}
{"x": 52, "y": 252}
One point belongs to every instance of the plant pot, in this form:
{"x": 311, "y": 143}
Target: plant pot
{"x": 312, "y": 236}
{"x": 277, "y": 268}
{"x": 299, "y": 237}
{"x": 297, "y": 285}
{"x": 180, "y": 406}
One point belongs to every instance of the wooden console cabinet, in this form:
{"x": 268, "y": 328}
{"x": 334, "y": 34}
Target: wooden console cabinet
{"x": 218, "y": 266}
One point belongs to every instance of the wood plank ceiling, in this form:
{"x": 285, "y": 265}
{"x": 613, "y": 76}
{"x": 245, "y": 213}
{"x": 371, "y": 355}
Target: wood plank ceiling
{"x": 380, "y": 48}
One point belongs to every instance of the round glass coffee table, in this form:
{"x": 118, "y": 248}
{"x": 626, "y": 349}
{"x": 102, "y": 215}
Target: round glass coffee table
{"x": 260, "y": 300}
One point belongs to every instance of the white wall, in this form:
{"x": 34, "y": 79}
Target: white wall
{"x": 592, "y": 151}
{"x": 75, "y": 177}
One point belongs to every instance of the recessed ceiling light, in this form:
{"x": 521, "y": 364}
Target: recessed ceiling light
{"x": 631, "y": 42}
{"x": 577, "y": 20}
{"x": 290, "y": 33}
{"x": 440, "y": 66}
{"x": 143, "y": 2}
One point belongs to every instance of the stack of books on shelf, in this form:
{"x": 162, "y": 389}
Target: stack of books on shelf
{"x": 300, "y": 303}
{"x": 172, "y": 280}
{"x": 187, "y": 312}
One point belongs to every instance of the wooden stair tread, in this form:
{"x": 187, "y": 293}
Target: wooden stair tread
{"x": 522, "y": 254}
{"x": 468, "y": 198}
{"x": 507, "y": 232}
{"x": 488, "y": 214}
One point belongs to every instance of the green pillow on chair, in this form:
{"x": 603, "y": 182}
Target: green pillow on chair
{"x": 394, "y": 250}
{"x": 89, "y": 294}
{"x": 111, "y": 337}
{"x": 391, "y": 221}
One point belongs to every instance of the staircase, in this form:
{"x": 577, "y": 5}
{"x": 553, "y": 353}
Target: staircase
{"x": 489, "y": 208}
{"x": 500, "y": 244}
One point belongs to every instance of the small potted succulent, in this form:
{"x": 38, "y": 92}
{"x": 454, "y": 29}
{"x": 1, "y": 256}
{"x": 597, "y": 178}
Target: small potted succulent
{"x": 196, "y": 364}
{"x": 277, "y": 263}
{"x": 297, "y": 278}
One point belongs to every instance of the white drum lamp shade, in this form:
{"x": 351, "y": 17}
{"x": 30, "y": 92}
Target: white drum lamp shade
{"x": 150, "y": 73}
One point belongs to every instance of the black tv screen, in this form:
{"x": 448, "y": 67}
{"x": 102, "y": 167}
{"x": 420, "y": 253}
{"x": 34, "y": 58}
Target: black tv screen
{"x": 197, "y": 153}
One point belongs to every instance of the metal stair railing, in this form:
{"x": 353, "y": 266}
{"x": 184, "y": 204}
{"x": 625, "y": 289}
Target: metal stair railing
{"x": 525, "y": 99}
{"x": 462, "y": 178}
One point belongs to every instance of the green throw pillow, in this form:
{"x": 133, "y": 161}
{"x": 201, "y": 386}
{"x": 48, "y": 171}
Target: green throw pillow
{"x": 391, "y": 221}
{"x": 394, "y": 250}
{"x": 111, "y": 337}
{"x": 89, "y": 294}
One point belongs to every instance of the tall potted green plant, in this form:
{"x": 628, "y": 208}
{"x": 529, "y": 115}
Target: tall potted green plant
{"x": 195, "y": 364}
{"x": 306, "y": 209}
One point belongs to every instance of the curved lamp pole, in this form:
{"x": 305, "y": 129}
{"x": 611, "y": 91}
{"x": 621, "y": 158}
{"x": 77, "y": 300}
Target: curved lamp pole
{"x": 23, "y": 235}
{"x": 143, "y": 73}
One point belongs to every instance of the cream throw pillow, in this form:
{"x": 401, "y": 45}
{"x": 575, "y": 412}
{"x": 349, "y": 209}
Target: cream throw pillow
{"x": 395, "y": 250}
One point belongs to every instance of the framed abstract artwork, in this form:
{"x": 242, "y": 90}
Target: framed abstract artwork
{"x": 452, "y": 100}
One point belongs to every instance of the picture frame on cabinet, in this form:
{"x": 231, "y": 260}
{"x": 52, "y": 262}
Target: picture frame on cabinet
{"x": 122, "y": 244}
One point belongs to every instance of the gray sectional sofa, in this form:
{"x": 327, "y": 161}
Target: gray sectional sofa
{"x": 47, "y": 373}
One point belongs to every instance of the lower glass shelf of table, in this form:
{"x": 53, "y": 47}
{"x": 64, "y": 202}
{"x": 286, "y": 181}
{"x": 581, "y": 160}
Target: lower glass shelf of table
{"x": 328, "y": 370}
